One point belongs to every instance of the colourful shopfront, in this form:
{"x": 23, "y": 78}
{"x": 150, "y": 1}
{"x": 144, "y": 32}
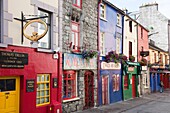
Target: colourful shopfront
{"x": 110, "y": 83}
{"x": 30, "y": 81}
{"x": 131, "y": 73}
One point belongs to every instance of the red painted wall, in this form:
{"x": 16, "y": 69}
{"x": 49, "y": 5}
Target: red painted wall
{"x": 38, "y": 62}
{"x": 142, "y": 41}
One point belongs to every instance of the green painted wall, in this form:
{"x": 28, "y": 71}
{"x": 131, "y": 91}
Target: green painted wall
{"x": 127, "y": 93}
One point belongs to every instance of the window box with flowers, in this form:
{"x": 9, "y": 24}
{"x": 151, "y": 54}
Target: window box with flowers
{"x": 89, "y": 54}
{"x": 131, "y": 58}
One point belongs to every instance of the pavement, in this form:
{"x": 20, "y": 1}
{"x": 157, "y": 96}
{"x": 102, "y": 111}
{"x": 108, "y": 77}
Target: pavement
{"x": 147, "y": 101}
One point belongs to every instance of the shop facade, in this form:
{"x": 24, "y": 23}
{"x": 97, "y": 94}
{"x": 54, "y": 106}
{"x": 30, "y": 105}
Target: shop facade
{"x": 79, "y": 82}
{"x": 110, "y": 83}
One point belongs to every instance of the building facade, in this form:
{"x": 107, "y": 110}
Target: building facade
{"x": 79, "y": 48}
{"x": 30, "y": 74}
{"x": 110, "y": 42}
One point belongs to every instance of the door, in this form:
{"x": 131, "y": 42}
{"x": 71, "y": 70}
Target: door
{"x": 133, "y": 86}
{"x": 105, "y": 91}
{"x": 89, "y": 91}
{"x": 9, "y": 94}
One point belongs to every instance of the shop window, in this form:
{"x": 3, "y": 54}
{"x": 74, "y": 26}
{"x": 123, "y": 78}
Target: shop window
{"x": 75, "y": 36}
{"x": 45, "y": 42}
{"x": 77, "y": 3}
{"x": 103, "y": 11}
{"x": 102, "y": 44}
{"x": 130, "y": 26}
{"x": 43, "y": 89}
{"x": 119, "y": 20}
{"x": 126, "y": 82}
{"x": 69, "y": 84}
{"x": 115, "y": 79}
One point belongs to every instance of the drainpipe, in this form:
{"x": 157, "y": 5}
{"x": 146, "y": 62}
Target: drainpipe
{"x": 98, "y": 48}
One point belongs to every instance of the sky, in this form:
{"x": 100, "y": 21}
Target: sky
{"x": 133, "y": 5}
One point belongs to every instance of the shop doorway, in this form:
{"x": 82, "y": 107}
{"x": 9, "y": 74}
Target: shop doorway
{"x": 133, "y": 86}
{"x": 105, "y": 90}
{"x": 89, "y": 90}
{"x": 9, "y": 94}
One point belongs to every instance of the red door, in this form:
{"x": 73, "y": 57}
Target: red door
{"x": 133, "y": 86}
{"x": 89, "y": 91}
{"x": 105, "y": 90}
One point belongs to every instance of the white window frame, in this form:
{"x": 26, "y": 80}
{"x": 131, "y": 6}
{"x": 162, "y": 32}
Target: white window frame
{"x": 103, "y": 11}
{"x": 146, "y": 84}
{"x": 118, "y": 45}
{"x": 102, "y": 44}
{"x": 119, "y": 19}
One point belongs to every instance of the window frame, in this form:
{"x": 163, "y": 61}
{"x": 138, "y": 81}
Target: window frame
{"x": 119, "y": 19}
{"x": 102, "y": 40}
{"x": 75, "y": 84}
{"x": 49, "y": 25}
{"x": 118, "y": 42}
{"x": 45, "y": 89}
{"x": 76, "y": 48}
{"x": 130, "y": 26}
{"x": 104, "y": 11}
{"x": 76, "y": 5}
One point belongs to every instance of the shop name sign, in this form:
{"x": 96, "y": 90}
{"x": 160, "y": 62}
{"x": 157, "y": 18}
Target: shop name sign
{"x": 111, "y": 65}
{"x": 13, "y": 59}
{"x": 76, "y": 61}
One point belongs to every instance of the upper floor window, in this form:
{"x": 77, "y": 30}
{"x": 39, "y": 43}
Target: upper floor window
{"x": 102, "y": 44}
{"x": 155, "y": 57}
{"x": 103, "y": 11}
{"x": 45, "y": 42}
{"x": 117, "y": 45}
{"x": 166, "y": 60}
{"x": 77, "y": 3}
{"x": 130, "y": 48}
{"x": 75, "y": 35}
{"x": 43, "y": 89}
{"x": 141, "y": 33}
{"x": 118, "y": 19}
{"x": 130, "y": 26}
{"x": 161, "y": 58}
{"x": 69, "y": 84}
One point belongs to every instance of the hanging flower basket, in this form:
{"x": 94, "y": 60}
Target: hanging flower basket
{"x": 131, "y": 58}
{"x": 89, "y": 54}
{"x": 122, "y": 58}
{"x": 112, "y": 57}
{"x": 143, "y": 62}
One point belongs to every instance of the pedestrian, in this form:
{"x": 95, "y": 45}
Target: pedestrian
{"x": 161, "y": 87}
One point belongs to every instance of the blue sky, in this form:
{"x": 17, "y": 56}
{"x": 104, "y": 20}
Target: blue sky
{"x": 133, "y": 5}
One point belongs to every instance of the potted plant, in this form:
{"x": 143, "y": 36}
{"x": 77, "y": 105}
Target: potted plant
{"x": 112, "y": 57}
{"x": 143, "y": 62}
{"x": 89, "y": 54}
{"x": 122, "y": 58}
{"x": 131, "y": 58}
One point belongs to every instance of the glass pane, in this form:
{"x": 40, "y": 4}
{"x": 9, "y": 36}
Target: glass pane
{"x": 42, "y": 93}
{"x": 41, "y": 100}
{"x": 47, "y": 99}
{"x": 2, "y": 85}
{"x": 38, "y": 88}
{"x": 38, "y": 79}
{"x": 42, "y": 86}
{"x": 47, "y": 85}
{"x": 10, "y": 84}
{"x": 38, "y": 94}
{"x": 38, "y": 101}
{"x": 42, "y": 78}
{"x": 46, "y": 92}
{"x": 78, "y": 2}
{"x": 74, "y": 1}
{"x": 46, "y": 78}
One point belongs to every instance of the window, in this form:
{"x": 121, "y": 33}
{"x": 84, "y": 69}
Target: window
{"x": 126, "y": 82}
{"x": 102, "y": 11}
{"x": 130, "y": 26}
{"x": 75, "y": 36}
{"x": 130, "y": 48}
{"x": 145, "y": 81}
{"x": 43, "y": 89}
{"x": 166, "y": 60}
{"x": 7, "y": 85}
{"x": 69, "y": 84}
{"x": 117, "y": 45}
{"x": 77, "y": 3}
{"x": 141, "y": 33}
{"x": 155, "y": 57}
{"x": 115, "y": 79}
{"x": 102, "y": 44}
{"x": 161, "y": 58}
{"x": 45, "y": 42}
{"x": 118, "y": 19}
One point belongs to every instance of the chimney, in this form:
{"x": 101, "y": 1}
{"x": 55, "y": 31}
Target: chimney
{"x": 153, "y": 5}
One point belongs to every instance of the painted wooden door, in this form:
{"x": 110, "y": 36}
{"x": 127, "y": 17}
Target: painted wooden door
{"x": 154, "y": 83}
{"x": 9, "y": 94}
{"x": 105, "y": 91}
{"x": 133, "y": 86}
{"x": 89, "y": 91}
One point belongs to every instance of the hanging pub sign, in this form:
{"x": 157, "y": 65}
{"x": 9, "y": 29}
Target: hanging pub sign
{"x": 13, "y": 59}
{"x": 35, "y": 37}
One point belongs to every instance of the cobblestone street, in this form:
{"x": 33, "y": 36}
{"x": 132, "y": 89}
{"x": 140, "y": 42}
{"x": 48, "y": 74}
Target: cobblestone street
{"x": 151, "y": 103}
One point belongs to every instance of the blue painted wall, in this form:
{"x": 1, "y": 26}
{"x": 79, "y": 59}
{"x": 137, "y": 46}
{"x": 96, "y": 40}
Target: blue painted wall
{"x": 110, "y": 28}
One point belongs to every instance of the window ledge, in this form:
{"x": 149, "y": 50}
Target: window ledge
{"x": 73, "y": 99}
{"x": 119, "y": 26}
{"x": 103, "y": 19}
{"x": 3, "y": 45}
{"x": 45, "y": 50}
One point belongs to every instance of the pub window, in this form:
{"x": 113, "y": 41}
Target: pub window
{"x": 115, "y": 79}
{"x": 126, "y": 81}
{"x": 130, "y": 26}
{"x": 69, "y": 84}
{"x": 43, "y": 89}
{"x": 45, "y": 42}
{"x": 77, "y": 3}
{"x": 103, "y": 11}
{"x": 102, "y": 44}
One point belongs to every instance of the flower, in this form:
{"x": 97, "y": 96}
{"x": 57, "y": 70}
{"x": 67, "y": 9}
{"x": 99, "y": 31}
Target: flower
{"x": 89, "y": 54}
{"x": 131, "y": 58}
{"x": 143, "y": 62}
